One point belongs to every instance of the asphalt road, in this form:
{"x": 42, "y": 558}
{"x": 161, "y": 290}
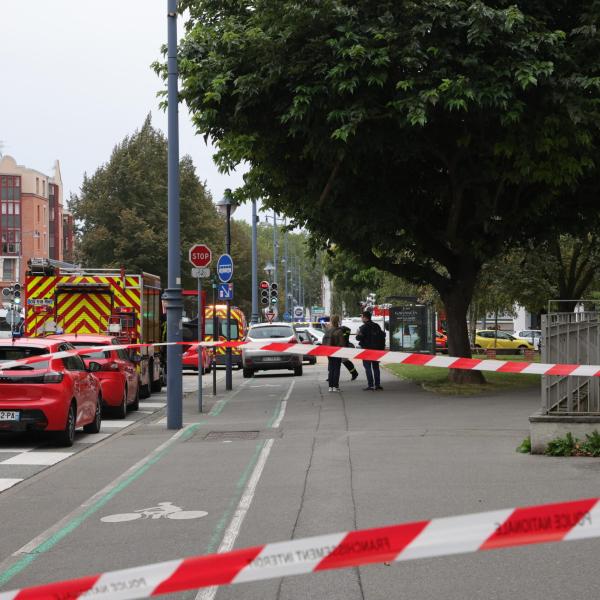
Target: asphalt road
{"x": 321, "y": 463}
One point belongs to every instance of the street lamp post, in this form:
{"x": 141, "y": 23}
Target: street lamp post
{"x": 275, "y": 249}
{"x": 172, "y": 295}
{"x": 254, "y": 318}
{"x": 285, "y": 271}
{"x": 227, "y": 207}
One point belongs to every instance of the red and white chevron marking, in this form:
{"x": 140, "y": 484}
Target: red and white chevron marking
{"x": 425, "y": 360}
{"x": 567, "y": 521}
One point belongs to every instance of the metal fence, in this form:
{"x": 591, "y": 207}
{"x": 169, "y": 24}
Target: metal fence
{"x": 573, "y": 338}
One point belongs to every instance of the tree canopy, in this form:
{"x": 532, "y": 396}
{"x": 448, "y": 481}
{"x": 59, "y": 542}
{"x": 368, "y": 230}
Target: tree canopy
{"x": 425, "y": 136}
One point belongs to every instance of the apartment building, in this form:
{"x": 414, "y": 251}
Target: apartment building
{"x": 33, "y": 220}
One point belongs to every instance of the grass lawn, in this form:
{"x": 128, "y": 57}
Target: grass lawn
{"x": 435, "y": 379}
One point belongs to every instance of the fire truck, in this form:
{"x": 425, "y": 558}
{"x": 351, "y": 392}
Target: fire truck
{"x": 239, "y": 328}
{"x": 98, "y": 301}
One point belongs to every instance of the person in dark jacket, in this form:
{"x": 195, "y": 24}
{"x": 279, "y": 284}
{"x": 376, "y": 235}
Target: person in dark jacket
{"x": 367, "y": 336}
{"x": 334, "y": 336}
{"x": 346, "y": 361}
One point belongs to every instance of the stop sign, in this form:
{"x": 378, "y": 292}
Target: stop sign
{"x": 200, "y": 255}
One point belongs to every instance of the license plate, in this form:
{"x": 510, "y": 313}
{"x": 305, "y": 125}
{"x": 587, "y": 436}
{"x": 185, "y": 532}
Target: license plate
{"x": 271, "y": 358}
{"x": 9, "y": 415}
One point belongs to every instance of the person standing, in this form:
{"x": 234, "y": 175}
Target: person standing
{"x": 346, "y": 361}
{"x": 334, "y": 336}
{"x": 371, "y": 337}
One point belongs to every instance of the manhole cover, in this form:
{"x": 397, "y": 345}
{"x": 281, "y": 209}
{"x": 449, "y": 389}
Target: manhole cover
{"x": 231, "y": 435}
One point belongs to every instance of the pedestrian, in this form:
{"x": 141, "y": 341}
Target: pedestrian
{"x": 334, "y": 336}
{"x": 371, "y": 337}
{"x": 346, "y": 361}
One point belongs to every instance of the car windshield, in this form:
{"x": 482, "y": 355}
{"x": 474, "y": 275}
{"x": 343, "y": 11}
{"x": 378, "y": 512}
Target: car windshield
{"x": 274, "y": 331}
{"x": 96, "y": 355}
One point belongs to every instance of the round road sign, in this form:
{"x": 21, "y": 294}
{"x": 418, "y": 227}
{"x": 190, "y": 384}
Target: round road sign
{"x": 225, "y": 268}
{"x": 200, "y": 255}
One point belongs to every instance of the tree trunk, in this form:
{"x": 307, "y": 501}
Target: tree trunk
{"x": 456, "y": 301}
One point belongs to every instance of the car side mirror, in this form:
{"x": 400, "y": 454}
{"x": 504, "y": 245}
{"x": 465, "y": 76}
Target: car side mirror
{"x": 94, "y": 367}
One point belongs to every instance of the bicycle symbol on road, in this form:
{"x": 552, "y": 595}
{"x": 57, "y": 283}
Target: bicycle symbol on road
{"x": 164, "y": 509}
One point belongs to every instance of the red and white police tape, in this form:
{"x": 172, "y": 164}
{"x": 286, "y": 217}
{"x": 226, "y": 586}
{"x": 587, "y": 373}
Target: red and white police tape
{"x": 567, "y": 521}
{"x": 426, "y": 360}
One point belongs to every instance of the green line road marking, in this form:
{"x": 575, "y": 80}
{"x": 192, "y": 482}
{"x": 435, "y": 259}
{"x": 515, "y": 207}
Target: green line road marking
{"x": 48, "y": 544}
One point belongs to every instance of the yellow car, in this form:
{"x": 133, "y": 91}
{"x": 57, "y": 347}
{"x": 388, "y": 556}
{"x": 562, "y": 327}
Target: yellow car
{"x": 500, "y": 340}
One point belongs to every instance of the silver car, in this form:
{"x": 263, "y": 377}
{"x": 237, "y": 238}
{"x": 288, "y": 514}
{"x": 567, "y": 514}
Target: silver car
{"x": 261, "y": 360}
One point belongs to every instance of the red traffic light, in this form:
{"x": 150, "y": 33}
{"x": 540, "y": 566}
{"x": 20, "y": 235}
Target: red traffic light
{"x": 263, "y": 285}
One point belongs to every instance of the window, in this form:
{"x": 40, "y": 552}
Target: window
{"x": 43, "y": 187}
{"x": 8, "y": 267}
{"x": 38, "y": 213}
{"x": 37, "y": 186}
{"x": 74, "y": 363}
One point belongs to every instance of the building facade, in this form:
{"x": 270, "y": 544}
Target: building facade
{"x": 34, "y": 222}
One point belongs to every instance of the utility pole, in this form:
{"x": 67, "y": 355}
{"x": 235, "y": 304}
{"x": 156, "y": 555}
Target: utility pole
{"x": 285, "y": 270}
{"x": 275, "y": 255}
{"x": 254, "y": 318}
{"x": 172, "y": 295}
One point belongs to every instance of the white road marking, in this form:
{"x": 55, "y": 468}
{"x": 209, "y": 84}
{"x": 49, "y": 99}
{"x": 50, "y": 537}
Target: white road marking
{"x": 152, "y": 404}
{"x": 168, "y": 510}
{"x": 284, "y": 402}
{"x": 37, "y": 458}
{"x": 266, "y": 385}
{"x": 92, "y": 438}
{"x": 116, "y": 424}
{"x": 8, "y": 483}
{"x": 238, "y": 518}
{"x": 15, "y": 450}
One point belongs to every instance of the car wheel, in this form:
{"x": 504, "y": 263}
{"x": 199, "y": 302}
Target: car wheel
{"x": 66, "y": 437}
{"x": 248, "y": 373}
{"x": 144, "y": 391}
{"x": 313, "y": 361}
{"x": 121, "y": 410}
{"x": 298, "y": 371}
{"x": 522, "y": 349}
{"x": 135, "y": 405}
{"x": 156, "y": 386}
{"x": 96, "y": 424}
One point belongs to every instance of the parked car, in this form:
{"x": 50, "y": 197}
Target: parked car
{"x": 263, "y": 360}
{"x": 55, "y": 395}
{"x": 531, "y": 335}
{"x": 441, "y": 342}
{"x": 318, "y": 334}
{"x": 305, "y": 337}
{"x": 500, "y": 340}
{"x": 118, "y": 375}
{"x": 190, "y": 359}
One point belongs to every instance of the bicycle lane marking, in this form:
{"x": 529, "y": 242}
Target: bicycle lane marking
{"x": 38, "y": 546}
{"x": 255, "y": 467}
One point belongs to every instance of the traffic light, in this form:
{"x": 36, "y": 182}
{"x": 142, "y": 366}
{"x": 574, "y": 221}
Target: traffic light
{"x": 273, "y": 293}
{"x": 17, "y": 293}
{"x": 12, "y": 293}
{"x": 264, "y": 296}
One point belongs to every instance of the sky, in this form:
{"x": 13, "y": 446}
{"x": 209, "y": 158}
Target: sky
{"x": 77, "y": 79}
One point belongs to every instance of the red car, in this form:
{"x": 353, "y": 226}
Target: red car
{"x": 190, "y": 359}
{"x": 57, "y": 394}
{"x": 118, "y": 375}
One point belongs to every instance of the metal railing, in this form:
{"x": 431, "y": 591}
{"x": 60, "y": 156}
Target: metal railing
{"x": 571, "y": 338}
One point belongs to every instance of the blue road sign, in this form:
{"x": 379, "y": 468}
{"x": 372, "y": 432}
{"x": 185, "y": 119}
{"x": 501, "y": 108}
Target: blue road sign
{"x": 225, "y": 291}
{"x": 225, "y": 268}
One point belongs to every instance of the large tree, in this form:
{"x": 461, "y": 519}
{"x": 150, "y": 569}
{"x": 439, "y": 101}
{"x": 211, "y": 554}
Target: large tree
{"x": 121, "y": 209}
{"x": 425, "y": 136}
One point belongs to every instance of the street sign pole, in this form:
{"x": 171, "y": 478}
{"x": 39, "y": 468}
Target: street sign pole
{"x": 228, "y": 373}
{"x": 200, "y": 349}
{"x": 172, "y": 296}
{"x": 215, "y": 337}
